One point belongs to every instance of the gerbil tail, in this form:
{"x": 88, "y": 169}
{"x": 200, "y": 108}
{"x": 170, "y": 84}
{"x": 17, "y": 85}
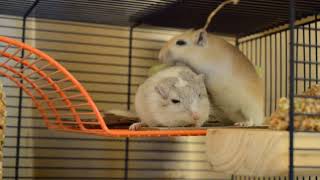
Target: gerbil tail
{"x": 119, "y": 112}
{"x": 218, "y": 9}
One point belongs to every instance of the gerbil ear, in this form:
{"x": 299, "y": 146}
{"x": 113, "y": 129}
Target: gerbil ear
{"x": 201, "y": 37}
{"x": 162, "y": 91}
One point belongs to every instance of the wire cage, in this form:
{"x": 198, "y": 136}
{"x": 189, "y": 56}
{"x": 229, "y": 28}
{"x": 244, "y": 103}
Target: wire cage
{"x": 286, "y": 49}
{"x": 62, "y": 101}
{"x": 289, "y": 57}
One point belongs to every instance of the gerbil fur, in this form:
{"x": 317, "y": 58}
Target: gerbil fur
{"x": 231, "y": 79}
{"x": 153, "y": 100}
{"x": 172, "y": 97}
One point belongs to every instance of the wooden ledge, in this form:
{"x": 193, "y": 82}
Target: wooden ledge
{"x": 260, "y": 152}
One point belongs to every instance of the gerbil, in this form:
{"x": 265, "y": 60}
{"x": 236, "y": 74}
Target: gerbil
{"x": 173, "y": 97}
{"x": 231, "y": 79}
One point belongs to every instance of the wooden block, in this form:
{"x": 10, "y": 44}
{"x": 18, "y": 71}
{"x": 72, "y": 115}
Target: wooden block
{"x": 259, "y": 152}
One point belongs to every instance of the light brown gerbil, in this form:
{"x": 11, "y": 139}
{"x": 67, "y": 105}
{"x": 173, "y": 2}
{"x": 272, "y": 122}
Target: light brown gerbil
{"x": 231, "y": 79}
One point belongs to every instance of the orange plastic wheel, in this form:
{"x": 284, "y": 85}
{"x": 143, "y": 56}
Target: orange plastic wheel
{"x": 62, "y": 101}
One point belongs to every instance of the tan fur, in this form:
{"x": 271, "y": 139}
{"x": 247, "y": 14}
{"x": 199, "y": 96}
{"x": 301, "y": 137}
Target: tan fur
{"x": 231, "y": 79}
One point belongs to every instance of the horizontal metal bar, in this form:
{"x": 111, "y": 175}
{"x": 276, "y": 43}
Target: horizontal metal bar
{"x": 307, "y": 167}
{"x": 66, "y": 106}
{"x": 307, "y": 114}
{"x": 306, "y": 45}
{"x": 78, "y": 113}
{"x": 107, "y": 159}
{"x": 306, "y": 79}
{"x": 53, "y": 83}
{"x": 70, "y": 122}
{"x": 110, "y": 168}
{"x": 66, "y": 98}
{"x": 80, "y": 33}
{"x": 307, "y": 96}
{"x": 307, "y": 62}
{"x": 307, "y": 149}
{"x": 66, "y": 177}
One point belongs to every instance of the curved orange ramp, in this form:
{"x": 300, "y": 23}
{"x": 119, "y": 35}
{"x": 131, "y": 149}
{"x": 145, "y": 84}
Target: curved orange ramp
{"x": 61, "y": 100}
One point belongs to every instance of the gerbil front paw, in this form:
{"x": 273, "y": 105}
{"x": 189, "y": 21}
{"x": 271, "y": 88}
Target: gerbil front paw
{"x": 136, "y": 126}
{"x": 244, "y": 124}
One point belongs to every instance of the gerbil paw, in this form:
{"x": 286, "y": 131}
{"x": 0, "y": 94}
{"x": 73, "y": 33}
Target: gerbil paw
{"x": 136, "y": 126}
{"x": 244, "y": 124}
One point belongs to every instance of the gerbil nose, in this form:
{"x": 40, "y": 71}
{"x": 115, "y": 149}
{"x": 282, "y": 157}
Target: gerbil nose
{"x": 195, "y": 116}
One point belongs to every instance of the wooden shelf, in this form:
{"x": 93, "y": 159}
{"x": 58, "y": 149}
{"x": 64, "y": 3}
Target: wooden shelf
{"x": 261, "y": 152}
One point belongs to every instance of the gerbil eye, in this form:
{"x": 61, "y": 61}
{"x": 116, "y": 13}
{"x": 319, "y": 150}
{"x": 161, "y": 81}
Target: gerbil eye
{"x": 181, "y": 42}
{"x": 175, "y": 101}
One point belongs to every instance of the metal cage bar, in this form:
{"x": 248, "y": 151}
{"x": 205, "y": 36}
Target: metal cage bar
{"x": 296, "y": 54}
{"x": 24, "y": 21}
{"x": 291, "y": 88}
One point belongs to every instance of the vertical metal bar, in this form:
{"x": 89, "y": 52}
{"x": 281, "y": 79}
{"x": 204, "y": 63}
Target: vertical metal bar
{"x": 275, "y": 71}
{"x": 129, "y": 97}
{"x": 24, "y": 23}
{"x": 128, "y": 100}
{"x": 316, "y": 37}
{"x": 260, "y": 52}
{"x": 270, "y": 46}
{"x": 247, "y": 49}
{"x": 291, "y": 93}
{"x": 251, "y": 52}
{"x": 296, "y": 70}
{"x": 304, "y": 58}
{"x": 129, "y": 67}
{"x": 281, "y": 70}
{"x": 286, "y": 47}
{"x": 265, "y": 74}
{"x": 309, "y": 55}
{"x": 255, "y": 52}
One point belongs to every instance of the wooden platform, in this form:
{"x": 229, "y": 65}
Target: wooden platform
{"x": 260, "y": 152}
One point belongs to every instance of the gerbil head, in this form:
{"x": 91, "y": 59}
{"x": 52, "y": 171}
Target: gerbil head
{"x": 179, "y": 47}
{"x": 183, "y": 100}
